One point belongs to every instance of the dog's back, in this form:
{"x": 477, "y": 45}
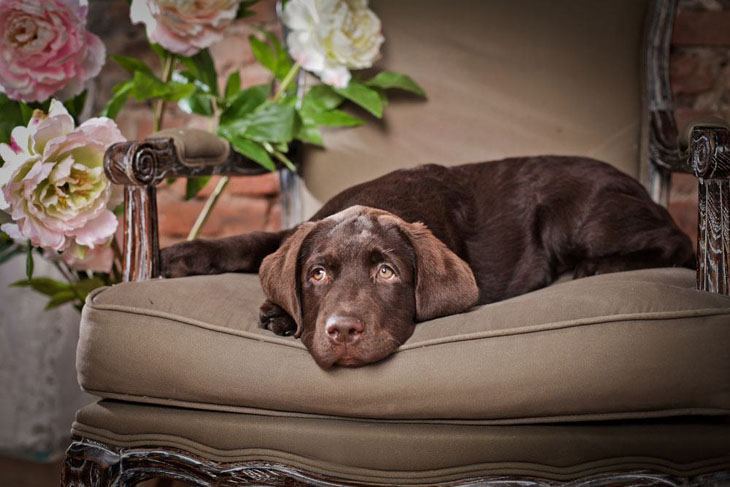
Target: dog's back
{"x": 522, "y": 222}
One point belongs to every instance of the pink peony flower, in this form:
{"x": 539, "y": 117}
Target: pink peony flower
{"x": 184, "y": 26}
{"x": 98, "y": 259}
{"x": 45, "y": 49}
{"x": 53, "y": 182}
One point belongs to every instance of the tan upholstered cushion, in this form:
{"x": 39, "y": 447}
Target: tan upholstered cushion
{"x": 633, "y": 344}
{"x": 503, "y": 78}
{"x": 403, "y": 453}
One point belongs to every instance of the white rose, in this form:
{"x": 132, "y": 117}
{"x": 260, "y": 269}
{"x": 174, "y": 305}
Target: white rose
{"x": 330, "y": 37}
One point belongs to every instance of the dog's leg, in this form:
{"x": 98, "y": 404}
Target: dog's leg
{"x": 273, "y": 318}
{"x": 242, "y": 253}
{"x": 631, "y": 232}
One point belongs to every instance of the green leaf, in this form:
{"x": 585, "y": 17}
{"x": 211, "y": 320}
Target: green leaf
{"x": 194, "y": 185}
{"x": 252, "y": 150}
{"x": 147, "y": 87}
{"x": 244, "y": 8}
{"x": 131, "y": 64}
{"x": 8, "y": 253}
{"x": 310, "y": 133}
{"x": 283, "y": 61}
{"x": 119, "y": 97}
{"x": 365, "y": 97}
{"x": 263, "y": 53}
{"x": 202, "y": 67}
{"x": 233, "y": 86}
{"x": 76, "y": 104}
{"x": 60, "y": 298}
{"x": 245, "y": 102}
{"x": 44, "y": 285}
{"x": 85, "y": 286}
{"x": 200, "y": 103}
{"x": 387, "y": 80}
{"x": 270, "y": 122}
{"x": 26, "y": 112}
{"x": 336, "y": 118}
{"x": 320, "y": 98}
{"x": 161, "y": 52}
{"x": 12, "y": 117}
{"x": 29, "y": 265}
{"x": 271, "y": 54}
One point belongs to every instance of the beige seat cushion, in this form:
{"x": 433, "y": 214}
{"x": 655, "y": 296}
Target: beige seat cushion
{"x": 626, "y": 345}
{"x": 405, "y": 453}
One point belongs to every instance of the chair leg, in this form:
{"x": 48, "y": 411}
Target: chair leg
{"x": 90, "y": 464}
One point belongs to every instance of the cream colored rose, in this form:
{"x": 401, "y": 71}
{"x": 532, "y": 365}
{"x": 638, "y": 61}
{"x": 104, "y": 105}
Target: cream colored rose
{"x": 330, "y": 37}
{"x": 184, "y": 26}
{"x": 53, "y": 184}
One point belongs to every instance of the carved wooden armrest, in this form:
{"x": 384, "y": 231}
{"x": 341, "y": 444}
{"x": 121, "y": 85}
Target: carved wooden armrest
{"x": 140, "y": 165}
{"x": 709, "y": 157}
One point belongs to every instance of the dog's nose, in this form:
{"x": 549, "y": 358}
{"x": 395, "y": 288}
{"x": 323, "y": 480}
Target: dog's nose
{"x": 344, "y": 329}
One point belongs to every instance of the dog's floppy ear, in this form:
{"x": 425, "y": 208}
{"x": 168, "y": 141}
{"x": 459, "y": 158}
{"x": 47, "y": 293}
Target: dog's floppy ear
{"x": 445, "y": 283}
{"x": 278, "y": 274}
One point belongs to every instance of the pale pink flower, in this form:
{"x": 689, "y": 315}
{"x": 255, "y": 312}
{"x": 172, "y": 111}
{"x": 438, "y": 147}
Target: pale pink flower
{"x": 331, "y": 37}
{"x": 45, "y": 49}
{"x": 53, "y": 182}
{"x": 184, "y": 26}
{"x": 98, "y": 259}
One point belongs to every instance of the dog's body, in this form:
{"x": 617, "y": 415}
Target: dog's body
{"x": 518, "y": 224}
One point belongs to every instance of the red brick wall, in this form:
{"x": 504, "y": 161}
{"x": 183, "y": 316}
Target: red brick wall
{"x": 700, "y": 76}
{"x": 700, "y": 81}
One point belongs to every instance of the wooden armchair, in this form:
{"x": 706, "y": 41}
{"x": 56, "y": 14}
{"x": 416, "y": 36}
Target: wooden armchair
{"x": 616, "y": 380}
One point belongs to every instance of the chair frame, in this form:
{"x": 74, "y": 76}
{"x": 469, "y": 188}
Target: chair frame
{"x": 140, "y": 165}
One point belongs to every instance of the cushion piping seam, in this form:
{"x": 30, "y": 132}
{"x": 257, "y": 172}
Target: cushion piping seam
{"x": 558, "y": 325}
{"x": 559, "y": 418}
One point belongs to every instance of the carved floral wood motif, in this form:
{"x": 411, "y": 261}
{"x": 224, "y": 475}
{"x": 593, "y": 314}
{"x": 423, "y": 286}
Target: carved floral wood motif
{"x": 89, "y": 463}
{"x": 710, "y": 159}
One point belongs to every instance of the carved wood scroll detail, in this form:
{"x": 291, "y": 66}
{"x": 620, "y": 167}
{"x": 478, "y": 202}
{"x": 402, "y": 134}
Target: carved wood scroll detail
{"x": 151, "y": 161}
{"x": 140, "y": 166}
{"x": 93, "y": 464}
{"x": 710, "y": 159}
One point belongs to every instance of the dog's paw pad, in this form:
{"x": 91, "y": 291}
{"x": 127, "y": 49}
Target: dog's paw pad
{"x": 276, "y": 320}
{"x": 283, "y": 326}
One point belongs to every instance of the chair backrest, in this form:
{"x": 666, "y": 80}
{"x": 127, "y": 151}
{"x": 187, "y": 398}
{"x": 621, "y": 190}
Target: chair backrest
{"x": 503, "y": 78}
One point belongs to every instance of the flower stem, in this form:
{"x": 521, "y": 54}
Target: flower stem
{"x": 208, "y": 208}
{"x": 286, "y": 81}
{"x": 158, "y": 111}
{"x": 280, "y": 156}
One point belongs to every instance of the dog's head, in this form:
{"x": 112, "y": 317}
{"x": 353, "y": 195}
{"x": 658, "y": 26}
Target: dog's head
{"x": 356, "y": 283}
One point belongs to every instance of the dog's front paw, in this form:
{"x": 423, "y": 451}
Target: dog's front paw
{"x": 187, "y": 259}
{"x": 273, "y": 318}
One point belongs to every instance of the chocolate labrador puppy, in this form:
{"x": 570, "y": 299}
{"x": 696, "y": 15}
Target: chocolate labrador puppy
{"x": 421, "y": 243}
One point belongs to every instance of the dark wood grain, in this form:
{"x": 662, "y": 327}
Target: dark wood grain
{"x": 141, "y": 250}
{"x": 662, "y": 151}
{"x": 151, "y": 161}
{"x": 140, "y": 166}
{"x": 93, "y": 464}
{"x": 709, "y": 156}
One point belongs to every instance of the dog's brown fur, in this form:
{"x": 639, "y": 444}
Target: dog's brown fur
{"x": 454, "y": 237}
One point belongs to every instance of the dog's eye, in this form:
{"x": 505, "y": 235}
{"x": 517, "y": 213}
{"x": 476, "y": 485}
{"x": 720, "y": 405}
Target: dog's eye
{"x": 318, "y": 274}
{"x": 386, "y": 272}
